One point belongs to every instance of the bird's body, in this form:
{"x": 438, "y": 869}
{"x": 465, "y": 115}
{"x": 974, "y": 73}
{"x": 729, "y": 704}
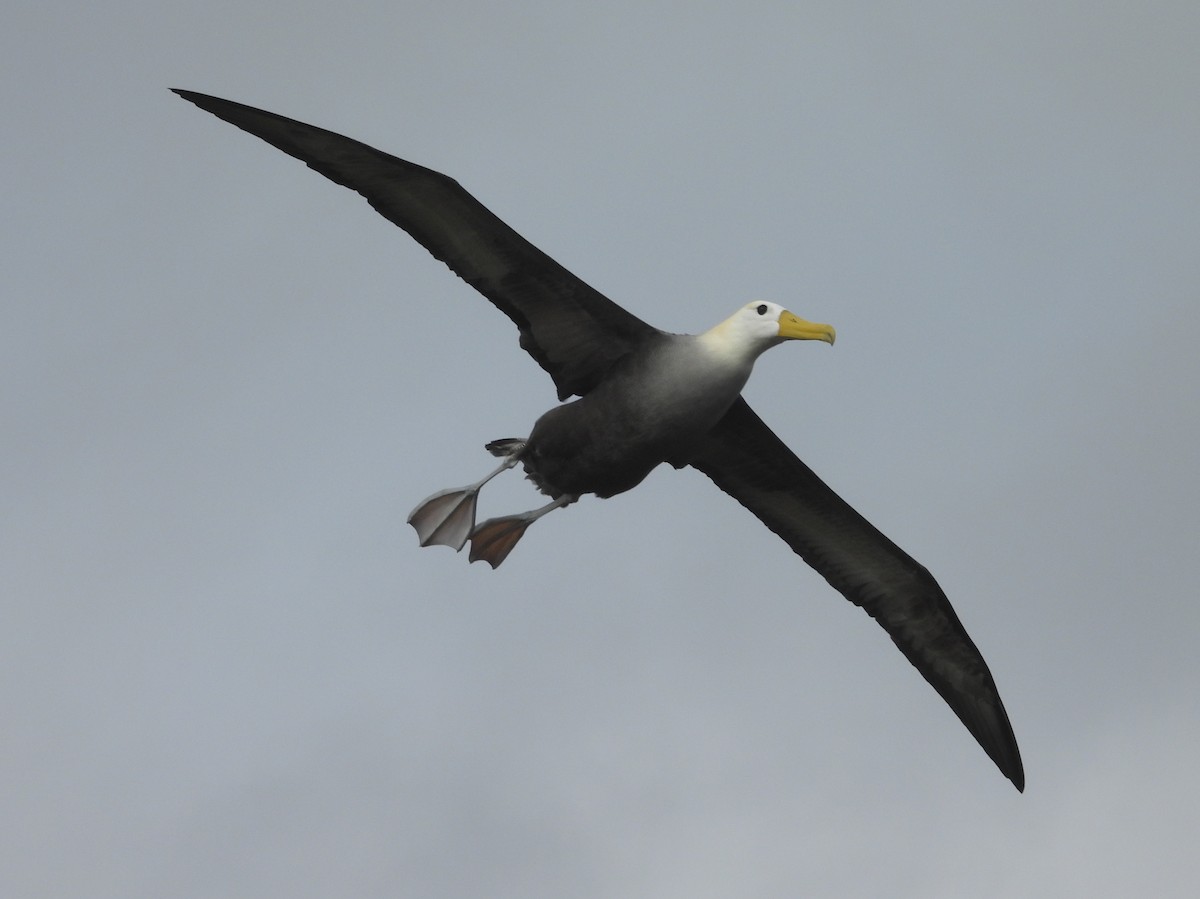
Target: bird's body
{"x": 653, "y": 406}
{"x": 647, "y": 397}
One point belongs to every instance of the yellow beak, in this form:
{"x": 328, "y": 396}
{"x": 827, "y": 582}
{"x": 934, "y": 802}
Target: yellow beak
{"x": 792, "y": 327}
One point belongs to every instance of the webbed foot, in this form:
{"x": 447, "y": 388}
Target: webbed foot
{"x": 446, "y": 518}
{"x": 493, "y": 540}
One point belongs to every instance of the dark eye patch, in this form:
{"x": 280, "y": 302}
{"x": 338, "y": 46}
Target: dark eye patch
{"x": 762, "y": 309}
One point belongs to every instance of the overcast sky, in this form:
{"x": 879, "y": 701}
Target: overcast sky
{"x": 228, "y": 670}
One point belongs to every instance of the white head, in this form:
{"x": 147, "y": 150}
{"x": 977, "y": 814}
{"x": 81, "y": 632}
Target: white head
{"x": 757, "y": 327}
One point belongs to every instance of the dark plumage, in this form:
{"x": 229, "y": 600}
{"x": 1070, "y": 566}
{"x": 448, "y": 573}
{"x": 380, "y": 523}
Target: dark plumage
{"x": 646, "y": 398}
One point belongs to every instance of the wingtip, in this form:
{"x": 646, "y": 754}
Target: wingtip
{"x": 1018, "y": 779}
{"x": 995, "y": 735}
{"x": 191, "y": 96}
{"x": 206, "y": 102}
{"x": 1006, "y": 755}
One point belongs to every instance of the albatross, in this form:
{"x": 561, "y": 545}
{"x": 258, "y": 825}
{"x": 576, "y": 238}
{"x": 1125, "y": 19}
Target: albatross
{"x": 646, "y": 397}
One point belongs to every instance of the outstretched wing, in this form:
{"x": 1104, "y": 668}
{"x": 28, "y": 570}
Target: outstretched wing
{"x": 573, "y": 331}
{"x": 746, "y": 460}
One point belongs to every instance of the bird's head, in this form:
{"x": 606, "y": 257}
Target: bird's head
{"x": 759, "y": 326}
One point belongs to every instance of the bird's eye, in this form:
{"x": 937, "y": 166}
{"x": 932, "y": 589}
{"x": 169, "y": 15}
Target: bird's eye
{"x": 762, "y": 309}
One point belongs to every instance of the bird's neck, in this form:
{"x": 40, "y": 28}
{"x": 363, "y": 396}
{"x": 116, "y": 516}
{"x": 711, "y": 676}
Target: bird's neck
{"x": 730, "y": 347}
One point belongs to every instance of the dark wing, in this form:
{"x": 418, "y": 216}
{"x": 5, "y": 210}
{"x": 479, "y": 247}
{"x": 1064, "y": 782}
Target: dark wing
{"x": 573, "y": 331}
{"x": 746, "y": 460}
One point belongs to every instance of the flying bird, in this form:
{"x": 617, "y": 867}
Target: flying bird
{"x": 646, "y": 397}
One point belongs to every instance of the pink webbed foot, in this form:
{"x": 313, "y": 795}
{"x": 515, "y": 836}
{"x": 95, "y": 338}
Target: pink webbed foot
{"x": 493, "y": 540}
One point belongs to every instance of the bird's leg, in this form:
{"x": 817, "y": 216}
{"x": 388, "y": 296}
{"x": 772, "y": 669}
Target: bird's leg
{"x": 493, "y": 540}
{"x": 447, "y": 517}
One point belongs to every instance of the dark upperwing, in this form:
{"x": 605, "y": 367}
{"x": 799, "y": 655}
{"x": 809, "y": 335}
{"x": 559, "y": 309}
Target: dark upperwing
{"x": 745, "y": 459}
{"x": 573, "y": 331}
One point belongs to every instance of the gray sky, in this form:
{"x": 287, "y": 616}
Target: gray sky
{"x": 229, "y": 670}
